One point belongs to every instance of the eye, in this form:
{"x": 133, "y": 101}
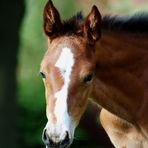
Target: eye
{"x": 88, "y": 78}
{"x": 42, "y": 75}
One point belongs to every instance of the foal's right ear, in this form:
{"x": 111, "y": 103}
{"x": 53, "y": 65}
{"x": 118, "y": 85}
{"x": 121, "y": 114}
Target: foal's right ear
{"x": 52, "y": 21}
{"x": 92, "y": 25}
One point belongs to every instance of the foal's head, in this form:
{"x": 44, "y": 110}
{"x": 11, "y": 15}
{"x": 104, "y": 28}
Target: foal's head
{"x": 67, "y": 69}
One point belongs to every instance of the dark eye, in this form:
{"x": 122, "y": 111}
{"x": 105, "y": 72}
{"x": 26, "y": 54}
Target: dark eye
{"x": 42, "y": 75}
{"x": 88, "y": 78}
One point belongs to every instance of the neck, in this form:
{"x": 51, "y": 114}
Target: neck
{"x": 119, "y": 84}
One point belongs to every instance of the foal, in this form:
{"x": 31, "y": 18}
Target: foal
{"x": 105, "y": 59}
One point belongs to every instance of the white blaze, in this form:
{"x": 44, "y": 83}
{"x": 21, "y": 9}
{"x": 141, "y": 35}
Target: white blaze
{"x": 65, "y": 64}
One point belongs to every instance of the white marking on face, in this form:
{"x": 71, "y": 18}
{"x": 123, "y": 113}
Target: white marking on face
{"x": 65, "y": 64}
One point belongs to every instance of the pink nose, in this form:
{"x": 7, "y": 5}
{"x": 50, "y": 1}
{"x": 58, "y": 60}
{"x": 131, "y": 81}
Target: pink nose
{"x": 51, "y": 144}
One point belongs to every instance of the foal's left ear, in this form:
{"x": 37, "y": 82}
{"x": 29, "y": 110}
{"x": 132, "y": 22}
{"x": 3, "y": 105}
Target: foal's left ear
{"x": 92, "y": 25}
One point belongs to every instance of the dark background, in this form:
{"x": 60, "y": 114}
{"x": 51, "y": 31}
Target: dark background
{"x": 22, "y": 45}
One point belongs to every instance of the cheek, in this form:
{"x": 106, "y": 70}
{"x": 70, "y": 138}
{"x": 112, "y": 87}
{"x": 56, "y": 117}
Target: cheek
{"x": 77, "y": 105}
{"x": 50, "y": 103}
{"x": 50, "y": 114}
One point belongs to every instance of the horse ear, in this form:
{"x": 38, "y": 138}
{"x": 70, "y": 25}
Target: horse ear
{"x": 92, "y": 25}
{"x": 52, "y": 21}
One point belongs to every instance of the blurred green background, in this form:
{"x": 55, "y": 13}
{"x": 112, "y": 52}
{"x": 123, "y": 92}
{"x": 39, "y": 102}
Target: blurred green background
{"x": 30, "y": 94}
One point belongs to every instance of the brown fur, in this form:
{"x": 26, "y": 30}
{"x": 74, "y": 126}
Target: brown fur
{"x": 120, "y": 85}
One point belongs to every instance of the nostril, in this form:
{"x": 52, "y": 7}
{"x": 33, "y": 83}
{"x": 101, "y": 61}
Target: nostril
{"x": 45, "y": 137}
{"x": 66, "y": 140}
{"x": 47, "y": 141}
{"x": 67, "y": 136}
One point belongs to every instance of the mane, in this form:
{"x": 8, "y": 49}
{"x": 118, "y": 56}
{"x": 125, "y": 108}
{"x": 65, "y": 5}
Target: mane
{"x": 134, "y": 24}
{"x": 72, "y": 25}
